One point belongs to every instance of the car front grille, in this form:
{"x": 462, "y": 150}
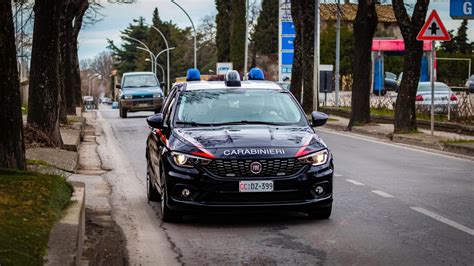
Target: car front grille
{"x": 145, "y": 96}
{"x": 241, "y": 168}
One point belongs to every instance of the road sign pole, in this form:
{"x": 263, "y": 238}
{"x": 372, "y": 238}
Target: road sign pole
{"x": 432, "y": 87}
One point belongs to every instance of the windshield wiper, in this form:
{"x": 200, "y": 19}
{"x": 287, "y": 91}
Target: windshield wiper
{"x": 146, "y": 86}
{"x": 194, "y": 124}
{"x": 248, "y": 122}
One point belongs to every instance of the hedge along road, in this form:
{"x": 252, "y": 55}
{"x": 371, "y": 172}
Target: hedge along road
{"x": 393, "y": 205}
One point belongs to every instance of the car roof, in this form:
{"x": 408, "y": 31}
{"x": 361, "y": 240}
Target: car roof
{"x": 138, "y": 73}
{"x": 218, "y": 85}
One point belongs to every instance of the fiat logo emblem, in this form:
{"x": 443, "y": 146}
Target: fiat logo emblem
{"x": 256, "y": 168}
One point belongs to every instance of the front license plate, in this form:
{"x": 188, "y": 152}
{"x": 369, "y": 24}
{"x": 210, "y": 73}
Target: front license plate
{"x": 255, "y": 186}
{"x": 143, "y": 105}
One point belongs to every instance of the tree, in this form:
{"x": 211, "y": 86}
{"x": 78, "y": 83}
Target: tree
{"x": 129, "y": 54}
{"x": 237, "y": 35}
{"x": 461, "y": 40}
{"x": 265, "y": 36}
{"x": 43, "y": 103}
{"x": 223, "y": 22}
{"x": 405, "y": 112}
{"x": 364, "y": 26}
{"x": 12, "y": 148}
{"x": 302, "y": 13}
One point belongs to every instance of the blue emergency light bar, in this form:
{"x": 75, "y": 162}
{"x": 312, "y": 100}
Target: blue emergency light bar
{"x": 193, "y": 75}
{"x": 256, "y": 74}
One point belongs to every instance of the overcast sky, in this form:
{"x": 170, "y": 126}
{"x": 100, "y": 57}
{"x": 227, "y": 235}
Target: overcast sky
{"x": 93, "y": 39}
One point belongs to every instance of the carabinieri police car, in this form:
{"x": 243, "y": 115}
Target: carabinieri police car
{"x": 227, "y": 145}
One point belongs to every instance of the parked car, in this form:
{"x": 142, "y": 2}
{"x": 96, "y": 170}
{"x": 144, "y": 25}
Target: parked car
{"x": 390, "y": 81}
{"x": 470, "y": 84}
{"x": 442, "y": 93}
{"x": 139, "y": 91}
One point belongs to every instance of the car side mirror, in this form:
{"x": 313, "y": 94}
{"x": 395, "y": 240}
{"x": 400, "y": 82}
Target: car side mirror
{"x": 155, "y": 121}
{"x": 318, "y": 118}
{"x": 117, "y": 86}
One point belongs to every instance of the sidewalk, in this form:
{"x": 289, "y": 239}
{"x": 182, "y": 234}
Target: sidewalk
{"x": 444, "y": 141}
{"x": 65, "y": 159}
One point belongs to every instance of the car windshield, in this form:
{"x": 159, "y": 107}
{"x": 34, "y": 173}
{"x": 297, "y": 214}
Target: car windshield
{"x": 238, "y": 106}
{"x": 439, "y": 87}
{"x": 137, "y": 81}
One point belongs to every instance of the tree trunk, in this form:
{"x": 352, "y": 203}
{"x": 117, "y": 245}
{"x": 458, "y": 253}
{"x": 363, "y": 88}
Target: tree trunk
{"x": 405, "y": 112}
{"x": 12, "y": 147}
{"x": 303, "y": 16}
{"x": 63, "y": 62}
{"x": 75, "y": 89}
{"x": 44, "y": 77}
{"x": 365, "y": 25}
{"x": 297, "y": 68}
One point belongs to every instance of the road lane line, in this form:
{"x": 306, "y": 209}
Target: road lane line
{"x": 383, "y": 194}
{"x": 337, "y": 175}
{"x": 357, "y": 183}
{"x": 398, "y": 145}
{"x": 444, "y": 220}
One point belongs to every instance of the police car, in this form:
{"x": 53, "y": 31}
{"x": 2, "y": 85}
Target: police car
{"x": 228, "y": 145}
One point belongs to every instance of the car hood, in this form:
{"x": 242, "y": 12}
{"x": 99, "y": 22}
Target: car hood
{"x": 249, "y": 141}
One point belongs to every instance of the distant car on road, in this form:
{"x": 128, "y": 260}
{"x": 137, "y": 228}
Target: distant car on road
{"x": 105, "y": 100}
{"x": 139, "y": 91}
{"x": 115, "y": 105}
{"x": 470, "y": 84}
{"x": 443, "y": 95}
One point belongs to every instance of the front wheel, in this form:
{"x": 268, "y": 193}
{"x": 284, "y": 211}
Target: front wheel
{"x": 123, "y": 113}
{"x": 320, "y": 213}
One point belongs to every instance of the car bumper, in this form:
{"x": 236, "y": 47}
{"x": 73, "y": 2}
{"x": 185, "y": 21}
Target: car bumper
{"x": 133, "y": 105}
{"x": 211, "y": 193}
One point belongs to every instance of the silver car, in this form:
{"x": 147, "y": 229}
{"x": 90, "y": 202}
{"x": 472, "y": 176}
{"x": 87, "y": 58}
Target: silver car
{"x": 442, "y": 93}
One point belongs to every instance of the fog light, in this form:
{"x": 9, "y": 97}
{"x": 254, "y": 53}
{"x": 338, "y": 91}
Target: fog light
{"x": 319, "y": 190}
{"x": 185, "y": 193}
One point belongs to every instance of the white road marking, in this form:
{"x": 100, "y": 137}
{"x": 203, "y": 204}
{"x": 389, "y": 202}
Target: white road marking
{"x": 444, "y": 220}
{"x": 383, "y": 194}
{"x": 337, "y": 175}
{"x": 399, "y": 145}
{"x": 357, "y": 183}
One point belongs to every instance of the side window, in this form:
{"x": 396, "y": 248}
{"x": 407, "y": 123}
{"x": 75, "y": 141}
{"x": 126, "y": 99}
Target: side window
{"x": 168, "y": 112}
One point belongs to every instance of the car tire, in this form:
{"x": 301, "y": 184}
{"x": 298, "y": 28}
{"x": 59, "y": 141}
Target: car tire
{"x": 151, "y": 192}
{"x": 320, "y": 213}
{"x": 168, "y": 215}
{"x": 123, "y": 113}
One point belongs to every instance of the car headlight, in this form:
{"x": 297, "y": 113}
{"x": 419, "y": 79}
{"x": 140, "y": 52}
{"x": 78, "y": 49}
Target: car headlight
{"x": 317, "y": 158}
{"x": 157, "y": 95}
{"x": 186, "y": 160}
{"x": 127, "y": 97}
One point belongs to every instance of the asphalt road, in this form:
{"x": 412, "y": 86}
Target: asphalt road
{"x": 392, "y": 205}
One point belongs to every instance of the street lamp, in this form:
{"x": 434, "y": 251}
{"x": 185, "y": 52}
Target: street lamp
{"x": 152, "y": 56}
{"x": 91, "y": 78}
{"x": 194, "y": 29}
{"x": 140, "y": 42}
{"x": 246, "y": 53}
{"x": 155, "y": 58}
{"x": 167, "y": 56}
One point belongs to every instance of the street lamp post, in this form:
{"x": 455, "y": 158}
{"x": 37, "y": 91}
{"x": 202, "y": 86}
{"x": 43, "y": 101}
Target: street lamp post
{"x": 90, "y": 77}
{"x": 167, "y": 57}
{"x": 152, "y": 58}
{"x": 194, "y": 29}
{"x": 155, "y": 57}
{"x": 246, "y": 53}
{"x": 316, "y": 56}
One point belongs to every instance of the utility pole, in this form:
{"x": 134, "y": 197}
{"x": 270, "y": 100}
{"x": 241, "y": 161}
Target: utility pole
{"x": 316, "y": 56}
{"x": 338, "y": 50}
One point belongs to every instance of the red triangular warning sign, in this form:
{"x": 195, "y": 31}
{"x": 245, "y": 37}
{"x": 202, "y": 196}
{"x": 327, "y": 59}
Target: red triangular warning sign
{"x": 433, "y": 30}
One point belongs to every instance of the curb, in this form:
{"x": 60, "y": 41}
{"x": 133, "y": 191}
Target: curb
{"x": 401, "y": 138}
{"x": 426, "y": 124}
{"x": 66, "y": 238}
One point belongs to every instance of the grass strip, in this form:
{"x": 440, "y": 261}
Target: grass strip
{"x": 30, "y": 203}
